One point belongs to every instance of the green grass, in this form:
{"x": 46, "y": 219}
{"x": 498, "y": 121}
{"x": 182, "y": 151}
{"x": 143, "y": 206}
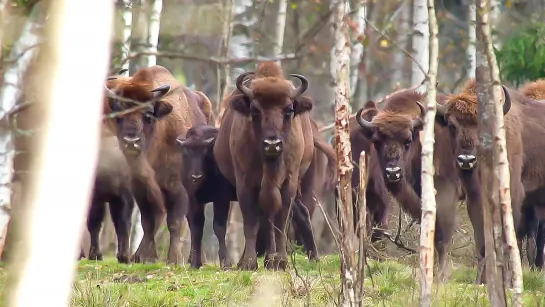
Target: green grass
{"x": 390, "y": 283}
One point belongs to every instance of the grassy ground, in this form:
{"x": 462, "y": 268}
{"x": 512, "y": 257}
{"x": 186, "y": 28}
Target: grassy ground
{"x": 108, "y": 283}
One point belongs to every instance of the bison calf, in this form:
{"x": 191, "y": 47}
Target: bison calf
{"x": 204, "y": 183}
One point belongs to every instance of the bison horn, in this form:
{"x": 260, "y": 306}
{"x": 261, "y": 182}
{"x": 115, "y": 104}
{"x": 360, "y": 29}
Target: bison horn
{"x": 180, "y": 142}
{"x": 161, "y": 91}
{"x": 441, "y": 110}
{"x": 209, "y": 140}
{"x": 507, "y": 102}
{"x": 122, "y": 71}
{"x": 418, "y": 122}
{"x": 243, "y": 88}
{"x": 362, "y": 122}
{"x": 302, "y": 88}
{"x": 111, "y": 78}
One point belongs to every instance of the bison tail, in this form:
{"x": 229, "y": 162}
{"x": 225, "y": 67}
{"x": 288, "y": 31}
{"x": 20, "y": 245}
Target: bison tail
{"x": 331, "y": 171}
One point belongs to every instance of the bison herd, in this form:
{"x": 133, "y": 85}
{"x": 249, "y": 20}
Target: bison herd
{"x": 163, "y": 150}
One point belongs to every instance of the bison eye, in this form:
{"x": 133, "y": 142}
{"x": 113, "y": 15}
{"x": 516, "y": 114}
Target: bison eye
{"x": 148, "y": 118}
{"x": 408, "y": 143}
{"x": 288, "y": 112}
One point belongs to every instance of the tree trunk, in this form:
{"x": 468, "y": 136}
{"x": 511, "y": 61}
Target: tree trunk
{"x": 427, "y": 232}
{"x": 11, "y": 92}
{"x": 139, "y": 35}
{"x": 349, "y": 286}
{"x": 357, "y": 48}
{"x": 126, "y": 15}
{"x": 420, "y": 44}
{"x": 488, "y": 155}
{"x": 45, "y": 242}
{"x": 400, "y": 76}
{"x": 280, "y": 28}
{"x": 471, "y": 41}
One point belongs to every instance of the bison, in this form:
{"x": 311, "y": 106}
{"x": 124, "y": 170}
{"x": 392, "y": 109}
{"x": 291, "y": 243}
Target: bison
{"x": 264, "y": 147}
{"x": 147, "y": 137}
{"x": 396, "y": 151}
{"x": 522, "y": 124}
{"x": 204, "y": 183}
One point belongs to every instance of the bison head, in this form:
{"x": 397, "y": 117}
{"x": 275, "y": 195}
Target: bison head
{"x": 271, "y": 103}
{"x": 135, "y": 124}
{"x": 393, "y": 135}
{"x": 196, "y": 148}
{"x": 459, "y": 114}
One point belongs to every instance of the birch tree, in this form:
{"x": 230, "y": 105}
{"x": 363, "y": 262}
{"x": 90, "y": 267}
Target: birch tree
{"x": 497, "y": 203}
{"x": 471, "y": 40}
{"x": 280, "y": 28}
{"x": 421, "y": 36}
{"x": 427, "y": 232}
{"x": 357, "y": 48}
{"x": 25, "y": 51}
{"x": 74, "y": 33}
{"x": 349, "y": 287}
{"x": 126, "y": 15}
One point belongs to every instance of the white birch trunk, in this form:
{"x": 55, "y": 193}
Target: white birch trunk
{"x": 502, "y": 171}
{"x": 10, "y": 94}
{"x": 357, "y": 48}
{"x": 280, "y": 28}
{"x": 333, "y": 62}
{"x": 421, "y": 42}
{"x": 127, "y": 31}
{"x": 76, "y": 32}
{"x": 400, "y": 57}
{"x": 153, "y": 32}
{"x": 471, "y": 41}
{"x": 427, "y": 232}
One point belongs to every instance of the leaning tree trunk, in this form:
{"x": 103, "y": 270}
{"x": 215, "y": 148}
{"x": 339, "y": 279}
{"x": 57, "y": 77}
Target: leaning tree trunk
{"x": 349, "y": 274}
{"x": 357, "y": 47}
{"x": 427, "y": 232}
{"x": 24, "y": 51}
{"x": 420, "y": 44}
{"x": 501, "y": 172}
{"x": 488, "y": 98}
{"x": 49, "y": 198}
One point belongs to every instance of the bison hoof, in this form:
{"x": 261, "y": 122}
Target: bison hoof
{"x": 225, "y": 264}
{"x": 138, "y": 258}
{"x": 123, "y": 258}
{"x": 95, "y": 256}
{"x": 196, "y": 264}
{"x": 248, "y": 264}
{"x": 276, "y": 262}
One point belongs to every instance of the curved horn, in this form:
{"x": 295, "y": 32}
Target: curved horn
{"x": 209, "y": 140}
{"x": 441, "y": 110}
{"x": 180, "y": 142}
{"x": 507, "y": 102}
{"x": 302, "y": 88}
{"x": 362, "y": 122}
{"x": 243, "y": 88}
{"x": 161, "y": 91}
{"x": 111, "y": 78}
{"x": 122, "y": 71}
{"x": 418, "y": 122}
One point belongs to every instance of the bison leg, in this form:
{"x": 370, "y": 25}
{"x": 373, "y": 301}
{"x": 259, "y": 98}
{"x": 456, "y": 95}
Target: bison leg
{"x": 81, "y": 253}
{"x": 176, "y": 203}
{"x": 221, "y": 214}
{"x": 195, "y": 219}
{"x": 250, "y": 218}
{"x": 540, "y": 244}
{"x": 121, "y": 211}
{"x": 447, "y": 204}
{"x": 152, "y": 213}
{"x": 301, "y": 218}
{"x": 94, "y": 224}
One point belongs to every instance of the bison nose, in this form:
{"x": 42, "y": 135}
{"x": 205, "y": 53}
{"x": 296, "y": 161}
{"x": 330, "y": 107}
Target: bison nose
{"x": 132, "y": 145}
{"x": 393, "y": 174}
{"x": 466, "y": 162}
{"x": 272, "y": 147}
{"x": 196, "y": 178}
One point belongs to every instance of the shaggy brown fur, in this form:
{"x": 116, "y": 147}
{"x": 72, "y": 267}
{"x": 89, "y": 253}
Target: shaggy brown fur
{"x": 270, "y": 180}
{"x": 396, "y": 143}
{"x": 534, "y": 90}
{"x": 156, "y": 162}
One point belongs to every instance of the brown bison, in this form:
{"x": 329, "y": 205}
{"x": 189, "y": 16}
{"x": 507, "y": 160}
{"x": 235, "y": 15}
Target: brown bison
{"x": 522, "y": 124}
{"x": 147, "y": 137}
{"x": 264, "y": 147}
{"x": 204, "y": 183}
{"x": 396, "y": 150}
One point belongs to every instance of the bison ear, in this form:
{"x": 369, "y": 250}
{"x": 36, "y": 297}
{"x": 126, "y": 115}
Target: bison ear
{"x": 161, "y": 109}
{"x": 114, "y": 105}
{"x": 369, "y": 110}
{"x": 302, "y": 104}
{"x": 240, "y": 104}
